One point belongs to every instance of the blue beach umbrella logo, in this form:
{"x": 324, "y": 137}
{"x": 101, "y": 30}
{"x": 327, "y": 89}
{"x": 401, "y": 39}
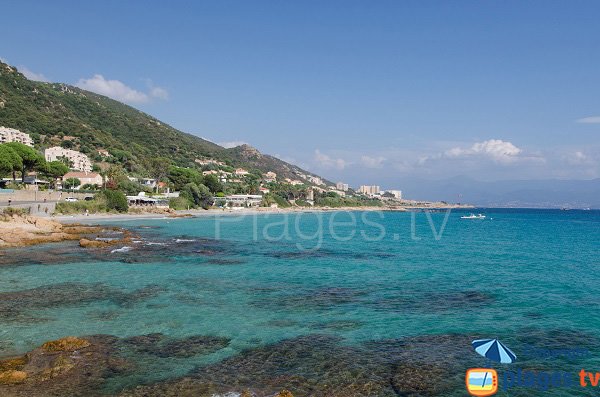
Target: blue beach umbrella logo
{"x": 494, "y": 350}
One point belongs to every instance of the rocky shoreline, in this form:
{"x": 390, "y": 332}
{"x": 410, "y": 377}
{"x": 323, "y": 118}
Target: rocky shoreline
{"x": 311, "y": 365}
{"x": 74, "y": 366}
{"x": 26, "y": 230}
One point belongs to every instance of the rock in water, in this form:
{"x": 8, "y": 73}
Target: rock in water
{"x": 70, "y": 343}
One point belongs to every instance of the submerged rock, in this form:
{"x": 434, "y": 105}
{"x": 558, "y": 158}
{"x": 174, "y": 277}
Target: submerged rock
{"x": 162, "y": 346}
{"x": 323, "y": 366}
{"x": 17, "y": 306}
{"x": 65, "y": 367}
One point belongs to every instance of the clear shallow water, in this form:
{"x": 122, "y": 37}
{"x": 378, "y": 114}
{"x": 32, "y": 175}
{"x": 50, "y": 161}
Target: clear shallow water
{"x": 528, "y": 277}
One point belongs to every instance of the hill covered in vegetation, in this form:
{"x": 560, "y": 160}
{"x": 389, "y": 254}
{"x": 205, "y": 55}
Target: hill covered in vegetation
{"x": 63, "y": 115}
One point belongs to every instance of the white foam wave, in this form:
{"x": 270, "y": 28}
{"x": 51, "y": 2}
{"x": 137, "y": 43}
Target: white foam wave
{"x": 124, "y": 249}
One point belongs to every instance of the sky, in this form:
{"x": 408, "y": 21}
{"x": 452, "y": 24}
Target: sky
{"x": 357, "y": 91}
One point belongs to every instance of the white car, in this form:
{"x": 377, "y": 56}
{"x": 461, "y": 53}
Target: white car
{"x": 71, "y": 199}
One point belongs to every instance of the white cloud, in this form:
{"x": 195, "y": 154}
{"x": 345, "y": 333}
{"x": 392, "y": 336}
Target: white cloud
{"x": 32, "y": 75}
{"x": 231, "y": 144}
{"x": 495, "y": 149}
{"x": 117, "y": 90}
{"x": 329, "y": 162}
{"x": 589, "y": 120}
{"x": 372, "y": 162}
{"x": 578, "y": 158}
{"x": 160, "y": 93}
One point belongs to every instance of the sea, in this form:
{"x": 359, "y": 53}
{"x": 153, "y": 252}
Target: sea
{"x": 360, "y": 303}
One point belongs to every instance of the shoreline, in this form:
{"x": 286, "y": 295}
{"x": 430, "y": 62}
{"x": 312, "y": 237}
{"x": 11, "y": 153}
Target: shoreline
{"x": 199, "y": 213}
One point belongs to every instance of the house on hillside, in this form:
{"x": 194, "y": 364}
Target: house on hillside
{"x": 270, "y": 177}
{"x": 86, "y": 178}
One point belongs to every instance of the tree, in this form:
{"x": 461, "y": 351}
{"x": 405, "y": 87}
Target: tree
{"x": 10, "y": 161}
{"x": 72, "y": 183}
{"x": 212, "y": 183}
{"x": 55, "y": 170}
{"x": 197, "y": 195}
{"x": 115, "y": 174}
{"x": 180, "y": 177}
{"x": 30, "y": 157}
{"x": 159, "y": 168}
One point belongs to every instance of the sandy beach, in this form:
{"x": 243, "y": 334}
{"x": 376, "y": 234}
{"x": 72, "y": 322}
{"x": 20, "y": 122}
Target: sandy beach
{"x": 83, "y": 218}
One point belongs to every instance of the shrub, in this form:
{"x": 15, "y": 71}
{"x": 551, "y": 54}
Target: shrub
{"x": 179, "y": 203}
{"x": 115, "y": 200}
{"x": 10, "y": 211}
{"x": 80, "y": 207}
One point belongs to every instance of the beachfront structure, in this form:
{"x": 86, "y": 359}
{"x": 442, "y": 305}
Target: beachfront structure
{"x": 270, "y": 176}
{"x": 342, "y": 186}
{"x": 11, "y": 135}
{"x": 78, "y": 160}
{"x": 141, "y": 200}
{"x": 369, "y": 190}
{"x": 86, "y": 178}
{"x": 244, "y": 200}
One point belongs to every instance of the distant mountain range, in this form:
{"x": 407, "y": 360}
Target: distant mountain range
{"x": 52, "y": 113}
{"x": 509, "y": 193}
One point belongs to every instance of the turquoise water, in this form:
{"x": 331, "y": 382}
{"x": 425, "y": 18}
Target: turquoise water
{"x": 527, "y": 277}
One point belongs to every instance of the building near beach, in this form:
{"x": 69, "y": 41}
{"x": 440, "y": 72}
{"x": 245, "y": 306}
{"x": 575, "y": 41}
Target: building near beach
{"x": 11, "y": 135}
{"x": 78, "y": 160}
{"x": 369, "y": 190}
{"x": 244, "y": 200}
{"x": 396, "y": 193}
{"x": 86, "y": 178}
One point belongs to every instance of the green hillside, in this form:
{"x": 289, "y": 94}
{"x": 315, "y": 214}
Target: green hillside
{"x": 54, "y": 113}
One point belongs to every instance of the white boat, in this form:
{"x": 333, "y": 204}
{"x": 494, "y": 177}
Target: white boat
{"x": 473, "y": 216}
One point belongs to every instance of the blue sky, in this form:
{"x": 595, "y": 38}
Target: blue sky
{"x": 365, "y": 92}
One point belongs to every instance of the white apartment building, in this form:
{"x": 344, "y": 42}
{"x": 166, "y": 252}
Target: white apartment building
{"x": 11, "y": 135}
{"x": 79, "y": 161}
{"x": 369, "y": 190}
{"x": 342, "y": 186}
{"x": 396, "y": 193}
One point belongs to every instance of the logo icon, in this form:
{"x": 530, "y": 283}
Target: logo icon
{"x": 494, "y": 350}
{"x": 481, "y": 382}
